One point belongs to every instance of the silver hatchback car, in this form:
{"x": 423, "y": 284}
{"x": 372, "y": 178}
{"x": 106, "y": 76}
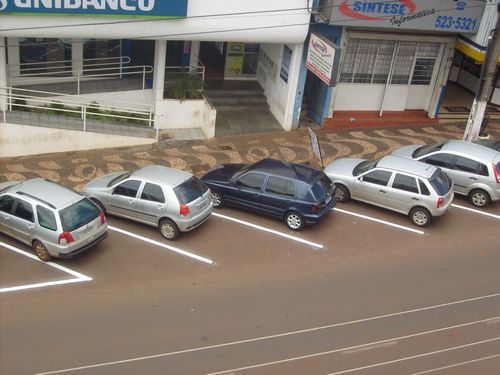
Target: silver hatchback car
{"x": 474, "y": 169}
{"x": 406, "y": 186}
{"x": 170, "y": 199}
{"x": 54, "y": 220}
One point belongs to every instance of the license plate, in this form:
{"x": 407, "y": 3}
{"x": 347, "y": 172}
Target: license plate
{"x": 89, "y": 228}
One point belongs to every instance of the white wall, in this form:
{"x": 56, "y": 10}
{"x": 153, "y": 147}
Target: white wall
{"x": 255, "y": 26}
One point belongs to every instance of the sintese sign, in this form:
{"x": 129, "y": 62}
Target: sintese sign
{"x": 125, "y": 8}
{"x": 462, "y": 16}
{"x": 321, "y": 58}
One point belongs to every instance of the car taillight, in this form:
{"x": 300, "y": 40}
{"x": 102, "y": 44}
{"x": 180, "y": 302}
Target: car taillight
{"x": 315, "y": 208}
{"x": 497, "y": 173}
{"x": 440, "y": 202}
{"x": 184, "y": 210}
{"x": 65, "y": 238}
{"x": 102, "y": 217}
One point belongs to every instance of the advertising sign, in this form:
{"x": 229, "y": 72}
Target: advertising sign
{"x": 322, "y": 58}
{"x": 462, "y": 16}
{"x": 285, "y": 63}
{"x": 315, "y": 145}
{"x": 125, "y": 8}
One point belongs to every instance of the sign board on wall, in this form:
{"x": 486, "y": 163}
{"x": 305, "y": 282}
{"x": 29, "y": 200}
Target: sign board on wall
{"x": 285, "y": 63}
{"x": 462, "y": 16}
{"x": 125, "y": 8}
{"x": 322, "y": 58}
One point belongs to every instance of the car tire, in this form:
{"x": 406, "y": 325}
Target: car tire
{"x": 342, "y": 193}
{"x": 294, "y": 221}
{"x": 479, "y": 198}
{"x": 217, "y": 199}
{"x": 420, "y": 216}
{"x": 99, "y": 204}
{"x": 169, "y": 229}
{"x": 41, "y": 251}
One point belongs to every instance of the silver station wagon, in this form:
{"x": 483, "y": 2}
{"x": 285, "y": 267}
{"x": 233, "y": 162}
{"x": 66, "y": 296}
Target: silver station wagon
{"x": 403, "y": 185}
{"x": 54, "y": 220}
{"x": 474, "y": 169}
{"x": 173, "y": 200}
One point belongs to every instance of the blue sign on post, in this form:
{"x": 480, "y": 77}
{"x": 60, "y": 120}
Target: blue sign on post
{"x": 111, "y": 8}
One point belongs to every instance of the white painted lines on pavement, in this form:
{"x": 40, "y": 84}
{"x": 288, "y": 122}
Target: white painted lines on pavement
{"x": 157, "y": 243}
{"x": 380, "y": 221}
{"x": 259, "y": 227}
{"x": 78, "y": 277}
{"x": 457, "y": 364}
{"x": 476, "y": 211}
{"x": 292, "y": 333}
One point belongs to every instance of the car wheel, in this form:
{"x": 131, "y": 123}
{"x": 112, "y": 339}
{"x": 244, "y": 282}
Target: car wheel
{"x": 420, "y": 216}
{"x": 342, "y": 193}
{"x": 294, "y": 221}
{"x": 169, "y": 229}
{"x": 99, "y": 204}
{"x": 41, "y": 251}
{"x": 479, "y": 198}
{"x": 217, "y": 199}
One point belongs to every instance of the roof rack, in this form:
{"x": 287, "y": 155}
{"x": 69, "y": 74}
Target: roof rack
{"x": 36, "y": 198}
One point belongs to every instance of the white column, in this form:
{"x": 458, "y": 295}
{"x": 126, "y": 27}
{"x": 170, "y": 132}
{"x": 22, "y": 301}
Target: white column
{"x": 14, "y": 56}
{"x": 3, "y": 75}
{"x": 77, "y": 56}
{"x": 293, "y": 81}
{"x": 195, "y": 53}
{"x": 159, "y": 69}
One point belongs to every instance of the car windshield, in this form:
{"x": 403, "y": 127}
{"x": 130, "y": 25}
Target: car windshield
{"x": 118, "y": 178}
{"x": 322, "y": 187}
{"x": 440, "y": 182}
{"x": 78, "y": 214}
{"x": 426, "y": 149}
{"x": 364, "y": 166}
{"x": 190, "y": 190}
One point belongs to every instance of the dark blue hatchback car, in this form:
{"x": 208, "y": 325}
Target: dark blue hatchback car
{"x": 296, "y": 193}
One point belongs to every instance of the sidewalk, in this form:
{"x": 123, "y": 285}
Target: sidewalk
{"x": 75, "y": 168}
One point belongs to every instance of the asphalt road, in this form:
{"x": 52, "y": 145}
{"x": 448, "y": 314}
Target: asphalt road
{"x": 347, "y": 296}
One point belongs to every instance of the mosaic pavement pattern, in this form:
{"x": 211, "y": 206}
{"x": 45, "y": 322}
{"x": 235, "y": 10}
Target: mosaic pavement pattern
{"x": 75, "y": 169}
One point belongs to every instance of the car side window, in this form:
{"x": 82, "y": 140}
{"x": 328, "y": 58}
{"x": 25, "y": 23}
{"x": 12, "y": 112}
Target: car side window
{"x": 251, "y": 181}
{"x": 153, "y": 192}
{"x": 470, "y": 166}
{"x": 378, "y": 177}
{"x": 423, "y": 188}
{"x": 24, "y": 210}
{"x": 128, "y": 188}
{"x": 406, "y": 183}
{"x": 441, "y": 160}
{"x": 280, "y": 186}
{"x": 46, "y": 218}
{"x": 6, "y": 203}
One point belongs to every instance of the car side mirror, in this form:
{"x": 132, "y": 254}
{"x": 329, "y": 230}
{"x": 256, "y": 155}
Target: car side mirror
{"x": 360, "y": 179}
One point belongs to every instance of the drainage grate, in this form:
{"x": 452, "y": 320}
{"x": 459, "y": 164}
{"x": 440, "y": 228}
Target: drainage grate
{"x": 457, "y": 109}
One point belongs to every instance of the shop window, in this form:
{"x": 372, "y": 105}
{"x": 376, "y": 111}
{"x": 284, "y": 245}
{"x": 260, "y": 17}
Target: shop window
{"x": 47, "y": 56}
{"x": 422, "y": 72}
{"x": 98, "y": 53}
{"x": 365, "y": 62}
{"x": 347, "y": 71}
{"x": 383, "y": 62}
{"x": 403, "y": 63}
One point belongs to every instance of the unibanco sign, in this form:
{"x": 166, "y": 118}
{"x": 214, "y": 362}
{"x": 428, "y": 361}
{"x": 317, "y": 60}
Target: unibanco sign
{"x": 125, "y": 8}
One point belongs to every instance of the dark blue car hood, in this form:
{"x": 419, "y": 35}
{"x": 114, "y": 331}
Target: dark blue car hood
{"x": 222, "y": 174}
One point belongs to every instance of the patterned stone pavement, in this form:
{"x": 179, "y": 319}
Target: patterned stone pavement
{"x": 75, "y": 169}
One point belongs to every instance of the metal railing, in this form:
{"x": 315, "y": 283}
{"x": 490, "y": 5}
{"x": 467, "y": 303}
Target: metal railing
{"x": 84, "y": 110}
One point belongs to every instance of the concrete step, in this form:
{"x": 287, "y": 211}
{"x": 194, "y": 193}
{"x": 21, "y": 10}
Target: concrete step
{"x": 233, "y": 93}
{"x": 256, "y": 107}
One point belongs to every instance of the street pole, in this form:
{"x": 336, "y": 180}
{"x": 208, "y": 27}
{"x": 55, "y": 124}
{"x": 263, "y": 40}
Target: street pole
{"x": 487, "y": 75}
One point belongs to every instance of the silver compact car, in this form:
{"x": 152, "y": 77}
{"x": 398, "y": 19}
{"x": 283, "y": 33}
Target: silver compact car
{"x": 474, "y": 169}
{"x": 170, "y": 199}
{"x": 406, "y": 186}
{"x": 54, "y": 220}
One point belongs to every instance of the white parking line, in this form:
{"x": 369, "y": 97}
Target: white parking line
{"x": 291, "y": 333}
{"x": 168, "y": 247}
{"x": 380, "y": 221}
{"x": 78, "y": 276}
{"x": 259, "y": 227}
{"x": 476, "y": 211}
{"x": 457, "y": 364}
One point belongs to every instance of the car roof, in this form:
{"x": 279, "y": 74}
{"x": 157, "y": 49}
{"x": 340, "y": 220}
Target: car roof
{"x": 286, "y": 169}
{"x": 472, "y": 149}
{"x": 406, "y": 165}
{"x": 52, "y": 193}
{"x": 162, "y": 175}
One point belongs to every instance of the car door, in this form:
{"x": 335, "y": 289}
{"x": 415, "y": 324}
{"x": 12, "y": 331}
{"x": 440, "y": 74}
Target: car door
{"x": 278, "y": 195}
{"x": 467, "y": 172}
{"x": 446, "y": 162}
{"x": 248, "y": 191}
{"x": 371, "y": 187}
{"x": 6, "y": 204}
{"x": 22, "y": 221}
{"x": 403, "y": 194}
{"x": 151, "y": 203}
{"x": 123, "y": 198}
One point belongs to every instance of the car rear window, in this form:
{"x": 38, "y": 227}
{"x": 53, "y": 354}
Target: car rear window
{"x": 78, "y": 214}
{"x": 322, "y": 188}
{"x": 190, "y": 190}
{"x": 440, "y": 182}
{"x": 426, "y": 149}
